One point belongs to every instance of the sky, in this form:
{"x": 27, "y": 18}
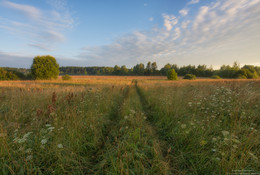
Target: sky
{"x": 129, "y": 32}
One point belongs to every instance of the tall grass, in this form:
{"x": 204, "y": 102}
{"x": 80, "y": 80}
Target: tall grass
{"x": 113, "y": 125}
{"x": 212, "y": 128}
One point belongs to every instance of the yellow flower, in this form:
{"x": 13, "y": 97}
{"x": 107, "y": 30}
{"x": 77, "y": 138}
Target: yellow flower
{"x": 203, "y": 142}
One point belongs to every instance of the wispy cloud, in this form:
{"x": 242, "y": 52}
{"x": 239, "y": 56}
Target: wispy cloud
{"x": 169, "y": 21}
{"x": 220, "y": 33}
{"x": 41, "y": 28}
{"x": 28, "y": 10}
{"x": 194, "y": 2}
{"x": 184, "y": 12}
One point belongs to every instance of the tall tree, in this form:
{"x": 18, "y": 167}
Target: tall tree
{"x": 44, "y": 67}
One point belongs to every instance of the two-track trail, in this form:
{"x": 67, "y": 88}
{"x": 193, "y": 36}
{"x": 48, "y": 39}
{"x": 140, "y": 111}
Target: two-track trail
{"x": 131, "y": 145}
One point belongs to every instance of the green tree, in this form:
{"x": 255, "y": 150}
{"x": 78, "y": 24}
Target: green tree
{"x": 44, "y": 67}
{"x": 148, "y": 69}
{"x": 165, "y": 69}
{"x": 124, "y": 70}
{"x": 172, "y": 75}
{"x": 117, "y": 70}
{"x": 154, "y": 68}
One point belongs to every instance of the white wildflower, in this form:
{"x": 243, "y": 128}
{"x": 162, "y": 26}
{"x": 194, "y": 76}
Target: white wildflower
{"x": 183, "y": 126}
{"x": 44, "y": 141}
{"x": 28, "y": 158}
{"x": 29, "y": 150}
{"x": 60, "y": 146}
{"x": 225, "y": 133}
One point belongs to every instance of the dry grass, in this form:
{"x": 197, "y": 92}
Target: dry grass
{"x": 129, "y": 125}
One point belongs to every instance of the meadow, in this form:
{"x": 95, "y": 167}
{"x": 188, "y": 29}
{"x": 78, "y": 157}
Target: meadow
{"x": 129, "y": 125}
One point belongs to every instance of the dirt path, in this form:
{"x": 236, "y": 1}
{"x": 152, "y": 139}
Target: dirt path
{"x": 131, "y": 145}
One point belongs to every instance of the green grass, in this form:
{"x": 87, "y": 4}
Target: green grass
{"x": 143, "y": 127}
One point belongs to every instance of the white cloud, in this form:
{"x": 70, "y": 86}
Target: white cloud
{"x": 151, "y": 19}
{"x": 28, "y": 10}
{"x": 201, "y": 16}
{"x": 41, "y": 28}
{"x": 214, "y": 36}
{"x": 169, "y": 21}
{"x": 184, "y": 24}
{"x": 194, "y": 2}
{"x": 184, "y": 12}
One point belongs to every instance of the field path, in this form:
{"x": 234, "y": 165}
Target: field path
{"x": 131, "y": 145}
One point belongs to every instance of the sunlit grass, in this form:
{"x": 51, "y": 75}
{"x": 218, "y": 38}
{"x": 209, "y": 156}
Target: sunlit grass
{"x": 129, "y": 125}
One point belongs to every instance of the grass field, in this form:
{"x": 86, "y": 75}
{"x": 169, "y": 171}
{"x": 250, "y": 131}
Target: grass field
{"x": 129, "y": 125}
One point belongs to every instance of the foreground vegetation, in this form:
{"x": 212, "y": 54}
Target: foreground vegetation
{"x": 129, "y": 126}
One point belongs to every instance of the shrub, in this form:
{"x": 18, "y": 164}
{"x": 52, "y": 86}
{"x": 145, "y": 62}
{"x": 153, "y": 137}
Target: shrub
{"x": 172, "y": 75}
{"x": 241, "y": 76}
{"x": 216, "y": 77}
{"x": 66, "y": 77}
{"x": 190, "y": 77}
{"x": 44, "y": 67}
{"x": 7, "y": 75}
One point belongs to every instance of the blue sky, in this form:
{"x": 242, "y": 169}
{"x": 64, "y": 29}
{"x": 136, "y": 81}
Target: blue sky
{"x": 127, "y": 32}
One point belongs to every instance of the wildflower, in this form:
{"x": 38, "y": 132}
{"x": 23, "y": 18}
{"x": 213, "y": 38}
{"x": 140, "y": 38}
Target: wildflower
{"x": 27, "y": 135}
{"x": 235, "y": 146}
{"x": 236, "y": 140}
{"x": 203, "y": 142}
{"x": 60, "y": 146}
{"x": 28, "y": 158}
{"x": 183, "y": 126}
{"x": 28, "y": 150}
{"x": 51, "y": 128}
{"x": 44, "y": 141}
{"x": 214, "y": 150}
{"x": 145, "y": 118}
{"x": 22, "y": 140}
{"x": 225, "y": 133}
{"x": 214, "y": 139}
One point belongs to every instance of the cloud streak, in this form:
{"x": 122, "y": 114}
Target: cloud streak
{"x": 41, "y": 28}
{"x": 220, "y": 33}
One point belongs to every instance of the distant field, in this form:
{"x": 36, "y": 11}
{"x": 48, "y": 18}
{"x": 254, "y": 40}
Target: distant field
{"x": 129, "y": 125}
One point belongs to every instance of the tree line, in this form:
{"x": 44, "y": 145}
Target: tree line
{"x": 46, "y": 67}
{"x": 225, "y": 71}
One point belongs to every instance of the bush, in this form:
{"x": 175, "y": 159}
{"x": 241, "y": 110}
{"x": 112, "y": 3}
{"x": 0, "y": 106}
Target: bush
{"x": 216, "y": 77}
{"x": 172, "y": 75}
{"x": 7, "y": 75}
{"x": 190, "y": 77}
{"x": 241, "y": 76}
{"x": 66, "y": 77}
{"x": 44, "y": 67}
